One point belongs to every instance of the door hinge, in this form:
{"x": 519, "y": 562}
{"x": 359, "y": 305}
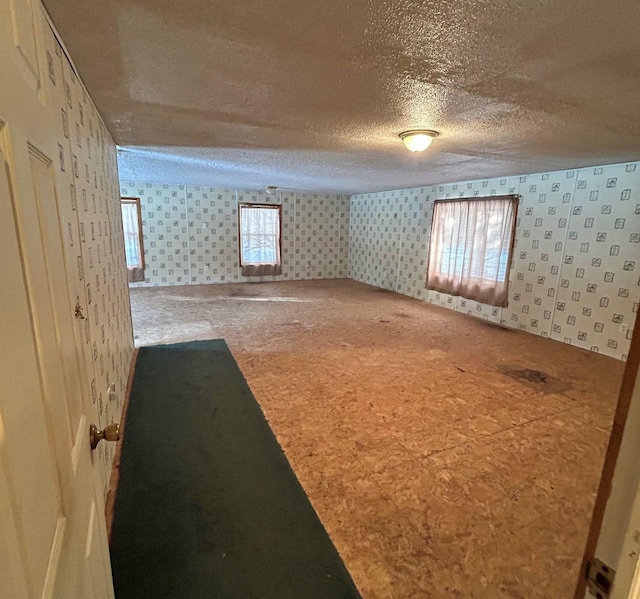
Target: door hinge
{"x": 599, "y": 578}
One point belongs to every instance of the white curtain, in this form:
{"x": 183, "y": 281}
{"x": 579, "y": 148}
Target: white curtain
{"x": 470, "y": 248}
{"x": 132, "y": 245}
{"x": 260, "y": 240}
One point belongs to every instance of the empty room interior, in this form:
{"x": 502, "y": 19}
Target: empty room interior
{"x": 416, "y": 227}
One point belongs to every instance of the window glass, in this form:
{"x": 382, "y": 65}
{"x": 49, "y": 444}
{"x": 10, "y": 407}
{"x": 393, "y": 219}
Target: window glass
{"x": 131, "y": 223}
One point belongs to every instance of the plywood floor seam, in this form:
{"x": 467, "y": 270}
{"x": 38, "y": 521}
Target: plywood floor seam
{"x": 435, "y": 473}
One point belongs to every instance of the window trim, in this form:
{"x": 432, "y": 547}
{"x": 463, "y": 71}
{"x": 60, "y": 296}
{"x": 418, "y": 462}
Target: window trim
{"x": 277, "y": 207}
{"x": 136, "y": 201}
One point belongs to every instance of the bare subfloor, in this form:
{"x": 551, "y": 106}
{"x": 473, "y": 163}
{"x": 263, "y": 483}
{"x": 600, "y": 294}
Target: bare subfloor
{"x": 446, "y": 457}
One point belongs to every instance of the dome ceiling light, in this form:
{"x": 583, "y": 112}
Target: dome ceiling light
{"x": 418, "y": 140}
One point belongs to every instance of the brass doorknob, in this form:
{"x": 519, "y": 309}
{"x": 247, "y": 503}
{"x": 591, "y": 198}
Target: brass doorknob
{"x": 78, "y": 312}
{"x": 111, "y": 432}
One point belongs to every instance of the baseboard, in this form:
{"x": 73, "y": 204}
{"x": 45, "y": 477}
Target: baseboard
{"x": 115, "y": 466}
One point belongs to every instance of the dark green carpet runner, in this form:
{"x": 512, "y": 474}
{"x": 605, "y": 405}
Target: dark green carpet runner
{"x": 207, "y": 504}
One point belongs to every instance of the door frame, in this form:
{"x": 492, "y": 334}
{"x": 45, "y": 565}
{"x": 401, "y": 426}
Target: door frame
{"x": 616, "y": 470}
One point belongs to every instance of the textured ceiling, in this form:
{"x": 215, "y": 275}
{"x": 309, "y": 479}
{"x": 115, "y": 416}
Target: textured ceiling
{"x": 312, "y": 95}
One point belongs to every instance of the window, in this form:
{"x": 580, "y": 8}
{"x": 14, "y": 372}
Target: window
{"x": 260, "y": 233}
{"x": 133, "y": 248}
{"x": 471, "y": 246}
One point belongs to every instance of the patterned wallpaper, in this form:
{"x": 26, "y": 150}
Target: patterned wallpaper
{"x": 87, "y": 182}
{"x": 575, "y": 275}
{"x": 191, "y": 233}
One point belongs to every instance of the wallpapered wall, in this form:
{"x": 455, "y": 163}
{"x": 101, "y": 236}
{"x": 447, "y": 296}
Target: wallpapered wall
{"x": 87, "y": 185}
{"x": 576, "y": 268}
{"x": 191, "y": 233}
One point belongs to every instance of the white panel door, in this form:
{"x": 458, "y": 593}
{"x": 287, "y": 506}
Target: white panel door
{"x": 52, "y": 528}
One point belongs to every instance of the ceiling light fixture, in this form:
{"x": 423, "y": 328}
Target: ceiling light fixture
{"x": 271, "y": 189}
{"x": 418, "y": 140}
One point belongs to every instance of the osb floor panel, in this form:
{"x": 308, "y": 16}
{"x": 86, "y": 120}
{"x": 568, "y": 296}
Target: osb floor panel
{"x": 436, "y": 471}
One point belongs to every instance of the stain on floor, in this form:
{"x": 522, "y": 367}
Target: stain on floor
{"x": 540, "y": 380}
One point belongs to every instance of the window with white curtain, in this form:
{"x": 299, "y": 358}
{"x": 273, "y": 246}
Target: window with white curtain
{"x": 471, "y": 246}
{"x": 133, "y": 247}
{"x": 260, "y": 239}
